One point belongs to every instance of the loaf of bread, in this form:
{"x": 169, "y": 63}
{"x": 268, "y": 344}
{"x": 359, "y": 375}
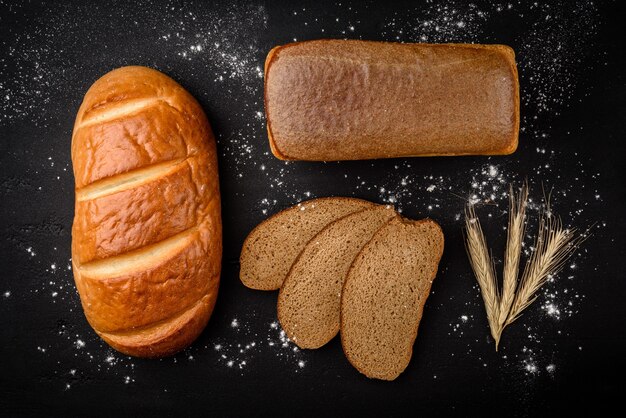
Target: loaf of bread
{"x": 351, "y": 100}
{"x": 384, "y": 294}
{"x": 147, "y": 234}
{"x": 271, "y": 248}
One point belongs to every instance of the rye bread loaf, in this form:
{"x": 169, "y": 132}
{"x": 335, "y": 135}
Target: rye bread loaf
{"x": 271, "y": 248}
{"x": 310, "y": 298}
{"x": 351, "y": 100}
{"x": 384, "y": 294}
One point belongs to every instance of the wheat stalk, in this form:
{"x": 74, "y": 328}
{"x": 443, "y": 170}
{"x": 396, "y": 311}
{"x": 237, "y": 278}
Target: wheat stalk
{"x": 515, "y": 238}
{"x": 552, "y": 248}
{"x": 483, "y": 267}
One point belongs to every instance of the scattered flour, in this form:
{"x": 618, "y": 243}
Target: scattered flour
{"x": 244, "y": 347}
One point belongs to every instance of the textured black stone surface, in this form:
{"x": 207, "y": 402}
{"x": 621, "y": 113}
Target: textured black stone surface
{"x": 51, "y": 362}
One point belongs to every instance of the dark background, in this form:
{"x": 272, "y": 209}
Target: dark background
{"x": 571, "y": 61}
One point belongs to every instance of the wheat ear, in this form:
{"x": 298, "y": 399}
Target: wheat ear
{"x": 483, "y": 267}
{"x": 515, "y": 238}
{"x": 552, "y": 248}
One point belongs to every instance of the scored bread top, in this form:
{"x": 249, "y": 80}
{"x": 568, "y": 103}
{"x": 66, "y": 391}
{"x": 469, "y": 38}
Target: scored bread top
{"x": 271, "y": 248}
{"x": 137, "y": 132}
{"x": 146, "y": 237}
{"x": 384, "y": 295}
{"x": 134, "y": 117}
{"x": 350, "y": 100}
{"x": 310, "y": 298}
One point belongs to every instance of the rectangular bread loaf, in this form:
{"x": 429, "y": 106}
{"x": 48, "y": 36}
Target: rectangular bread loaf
{"x": 350, "y": 100}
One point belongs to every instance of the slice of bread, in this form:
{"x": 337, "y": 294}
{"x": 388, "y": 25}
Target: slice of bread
{"x": 310, "y": 298}
{"x": 271, "y": 248}
{"x": 384, "y": 295}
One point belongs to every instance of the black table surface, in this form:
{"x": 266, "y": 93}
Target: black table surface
{"x": 565, "y": 353}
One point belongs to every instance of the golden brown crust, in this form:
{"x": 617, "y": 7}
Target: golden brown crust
{"x": 146, "y": 238}
{"x": 340, "y": 100}
{"x": 165, "y": 338}
{"x": 149, "y": 217}
{"x": 268, "y": 62}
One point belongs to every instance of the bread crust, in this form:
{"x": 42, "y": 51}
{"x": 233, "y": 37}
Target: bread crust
{"x": 147, "y": 233}
{"x": 352, "y": 100}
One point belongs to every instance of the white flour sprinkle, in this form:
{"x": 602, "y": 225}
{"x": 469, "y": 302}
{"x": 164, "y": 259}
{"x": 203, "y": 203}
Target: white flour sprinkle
{"x": 552, "y": 310}
{"x": 531, "y": 367}
{"x": 241, "y": 354}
